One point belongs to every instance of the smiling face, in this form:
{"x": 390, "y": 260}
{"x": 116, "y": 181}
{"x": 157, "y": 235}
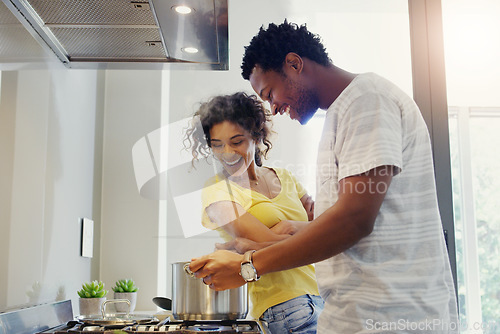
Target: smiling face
{"x": 234, "y": 147}
{"x": 285, "y": 93}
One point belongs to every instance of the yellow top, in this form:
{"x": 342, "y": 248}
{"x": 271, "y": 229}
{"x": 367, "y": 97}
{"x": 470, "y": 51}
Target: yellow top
{"x": 277, "y": 287}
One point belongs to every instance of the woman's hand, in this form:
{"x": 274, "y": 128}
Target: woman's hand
{"x": 308, "y": 204}
{"x": 219, "y": 270}
{"x": 241, "y": 245}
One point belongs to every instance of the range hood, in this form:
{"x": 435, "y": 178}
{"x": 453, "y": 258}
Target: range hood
{"x": 115, "y": 34}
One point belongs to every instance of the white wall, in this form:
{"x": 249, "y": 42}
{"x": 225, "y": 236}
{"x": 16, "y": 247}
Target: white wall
{"x": 55, "y": 143}
{"x": 48, "y": 167}
{"x": 129, "y": 222}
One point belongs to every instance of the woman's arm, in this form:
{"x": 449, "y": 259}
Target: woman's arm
{"x": 292, "y": 226}
{"x": 236, "y": 221}
{"x": 350, "y": 219}
{"x": 288, "y": 227}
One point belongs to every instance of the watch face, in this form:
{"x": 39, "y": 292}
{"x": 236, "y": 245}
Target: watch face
{"x": 247, "y": 272}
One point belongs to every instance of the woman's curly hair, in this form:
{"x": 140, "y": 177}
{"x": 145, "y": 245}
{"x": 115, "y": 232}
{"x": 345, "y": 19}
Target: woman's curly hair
{"x": 269, "y": 47}
{"x": 239, "y": 108}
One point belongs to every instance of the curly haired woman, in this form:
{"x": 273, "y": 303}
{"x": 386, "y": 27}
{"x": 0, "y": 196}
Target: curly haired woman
{"x": 248, "y": 203}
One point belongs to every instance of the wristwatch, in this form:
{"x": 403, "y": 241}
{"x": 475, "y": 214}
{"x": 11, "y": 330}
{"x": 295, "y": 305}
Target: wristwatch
{"x": 248, "y": 271}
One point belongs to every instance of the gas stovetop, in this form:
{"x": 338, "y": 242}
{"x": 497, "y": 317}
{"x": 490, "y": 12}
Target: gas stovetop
{"x": 57, "y": 318}
{"x": 171, "y": 327}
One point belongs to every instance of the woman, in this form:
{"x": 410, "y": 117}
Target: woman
{"x": 246, "y": 200}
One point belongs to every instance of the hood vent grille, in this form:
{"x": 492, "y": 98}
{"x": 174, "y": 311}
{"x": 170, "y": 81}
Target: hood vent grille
{"x": 93, "y": 12}
{"x": 127, "y": 34}
{"x": 16, "y": 43}
{"x": 110, "y": 43}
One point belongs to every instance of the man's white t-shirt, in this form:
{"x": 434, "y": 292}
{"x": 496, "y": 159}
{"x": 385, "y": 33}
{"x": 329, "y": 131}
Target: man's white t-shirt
{"x": 397, "y": 279}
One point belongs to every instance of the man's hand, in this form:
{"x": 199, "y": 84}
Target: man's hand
{"x": 219, "y": 270}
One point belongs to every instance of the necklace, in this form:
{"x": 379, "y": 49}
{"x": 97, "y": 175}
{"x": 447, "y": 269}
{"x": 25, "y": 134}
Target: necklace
{"x": 263, "y": 190}
{"x": 258, "y": 178}
{"x": 253, "y": 184}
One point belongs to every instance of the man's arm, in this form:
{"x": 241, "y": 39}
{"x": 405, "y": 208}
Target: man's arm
{"x": 350, "y": 219}
{"x": 340, "y": 227}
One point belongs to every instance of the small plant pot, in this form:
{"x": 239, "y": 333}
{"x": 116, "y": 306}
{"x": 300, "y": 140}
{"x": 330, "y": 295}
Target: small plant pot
{"x": 123, "y": 307}
{"x": 91, "y": 306}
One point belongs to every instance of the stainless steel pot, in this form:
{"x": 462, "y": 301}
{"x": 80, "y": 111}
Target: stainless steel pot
{"x": 193, "y": 300}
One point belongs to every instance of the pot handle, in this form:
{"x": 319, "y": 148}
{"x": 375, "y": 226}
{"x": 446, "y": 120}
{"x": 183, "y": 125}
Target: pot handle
{"x": 187, "y": 270}
{"x": 114, "y": 301}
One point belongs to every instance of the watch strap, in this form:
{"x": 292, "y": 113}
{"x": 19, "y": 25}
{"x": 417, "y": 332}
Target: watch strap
{"x": 247, "y": 257}
{"x": 247, "y": 261}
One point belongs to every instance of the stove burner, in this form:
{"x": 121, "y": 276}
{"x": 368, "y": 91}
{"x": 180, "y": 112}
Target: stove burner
{"x": 203, "y": 326}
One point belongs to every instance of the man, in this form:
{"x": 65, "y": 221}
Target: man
{"x": 377, "y": 231}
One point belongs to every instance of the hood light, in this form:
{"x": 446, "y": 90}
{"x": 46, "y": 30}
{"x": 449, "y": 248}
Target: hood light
{"x": 181, "y": 9}
{"x": 189, "y": 49}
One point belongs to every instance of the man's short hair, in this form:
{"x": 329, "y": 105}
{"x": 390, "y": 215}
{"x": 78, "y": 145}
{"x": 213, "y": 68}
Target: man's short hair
{"x": 269, "y": 48}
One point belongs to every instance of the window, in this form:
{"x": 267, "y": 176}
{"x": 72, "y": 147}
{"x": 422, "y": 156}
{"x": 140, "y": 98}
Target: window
{"x": 474, "y": 137}
{"x": 472, "y": 78}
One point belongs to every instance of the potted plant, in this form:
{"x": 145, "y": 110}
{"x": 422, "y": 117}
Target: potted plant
{"x": 92, "y": 295}
{"x": 125, "y": 289}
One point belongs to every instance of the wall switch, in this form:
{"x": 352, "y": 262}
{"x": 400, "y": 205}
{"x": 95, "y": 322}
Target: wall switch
{"x": 87, "y": 237}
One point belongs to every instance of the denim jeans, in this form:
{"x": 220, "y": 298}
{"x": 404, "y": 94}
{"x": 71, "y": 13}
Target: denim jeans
{"x": 297, "y": 315}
